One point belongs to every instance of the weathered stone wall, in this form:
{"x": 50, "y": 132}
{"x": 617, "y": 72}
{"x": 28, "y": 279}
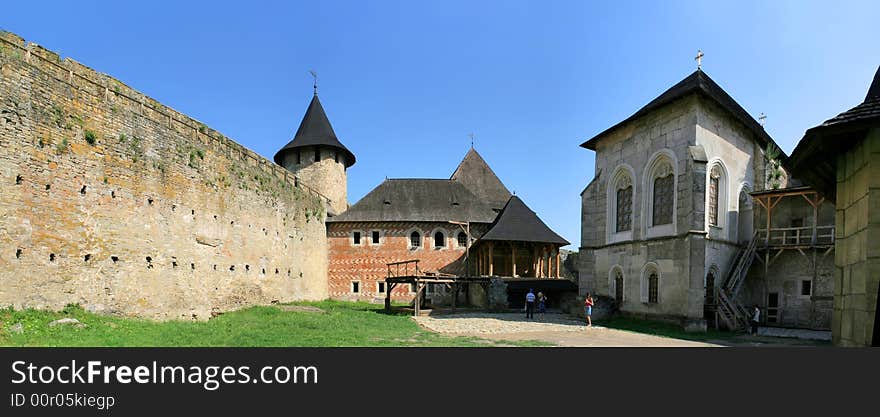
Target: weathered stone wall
{"x": 366, "y": 263}
{"x": 857, "y": 252}
{"x": 327, "y": 176}
{"x": 125, "y": 206}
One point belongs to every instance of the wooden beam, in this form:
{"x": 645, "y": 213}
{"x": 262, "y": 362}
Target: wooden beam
{"x": 558, "y": 261}
{"x": 491, "y": 261}
{"x": 513, "y": 259}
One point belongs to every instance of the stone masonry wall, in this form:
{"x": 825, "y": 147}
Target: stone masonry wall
{"x": 125, "y": 206}
{"x": 366, "y": 263}
{"x": 857, "y": 252}
{"x": 327, "y": 175}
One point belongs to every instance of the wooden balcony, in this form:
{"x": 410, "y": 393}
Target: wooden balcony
{"x": 797, "y": 237}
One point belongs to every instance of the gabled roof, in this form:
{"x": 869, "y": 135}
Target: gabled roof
{"x": 418, "y": 200}
{"x": 517, "y": 222}
{"x": 696, "y": 83}
{"x": 474, "y": 173}
{"x": 814, "y": 157}
{"x": 315, "y": 129}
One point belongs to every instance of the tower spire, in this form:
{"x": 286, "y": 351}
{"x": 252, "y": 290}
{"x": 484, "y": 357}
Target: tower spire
{"x": 315, "y": 77}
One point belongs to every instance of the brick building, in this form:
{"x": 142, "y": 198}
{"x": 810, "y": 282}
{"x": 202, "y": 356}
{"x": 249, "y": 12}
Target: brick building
{"x": 434, "y": 221}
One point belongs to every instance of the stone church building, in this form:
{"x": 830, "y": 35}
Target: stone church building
{"x": 671, "y": 222}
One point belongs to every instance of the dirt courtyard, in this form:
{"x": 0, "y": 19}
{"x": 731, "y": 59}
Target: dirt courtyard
{"x": 559, "y": 329}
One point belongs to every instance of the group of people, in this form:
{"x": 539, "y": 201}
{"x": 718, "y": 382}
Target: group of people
{"x": 531, "y": 298}
{"x": 541, "y": 299}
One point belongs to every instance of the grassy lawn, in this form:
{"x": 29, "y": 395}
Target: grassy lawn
{"x": 659, "y": 328}
{"x": 341, "y": 324}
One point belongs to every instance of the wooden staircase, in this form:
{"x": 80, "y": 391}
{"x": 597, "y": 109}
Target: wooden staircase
{"x": 732, "y": 312}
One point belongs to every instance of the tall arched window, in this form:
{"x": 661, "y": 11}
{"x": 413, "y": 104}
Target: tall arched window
{"x": 620, "y": 205}
{"x": 663, "y": 195}
{"x": 714, "y": 187}
{"x": 415, "y": 240}
{"x": 439, "y": 239}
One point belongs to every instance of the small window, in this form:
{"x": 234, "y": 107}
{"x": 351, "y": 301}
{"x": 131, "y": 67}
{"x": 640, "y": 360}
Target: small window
{"x": 652, "y": 288}
{"x": 298, "y": 156}
{"x": 439, "y": 240}
{"x": 336, "y": 156}
{"x": 356, "y": 238}
{"x": 412, "y": 288}
{"x": 355, "y": 287}
{"x": 806, "y": 287}
{"x": 462, "y": 239}
{"x": 317, "y": 154}
{"x": 375, "y": 237}
{"x": 380, "y": 287}
{"x": 415, "y": 240}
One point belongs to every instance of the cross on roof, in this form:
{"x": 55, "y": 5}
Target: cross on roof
{"x": 471, "y": 135}
{"x": 699, "y": 58}
{"x": 761, "y": 118}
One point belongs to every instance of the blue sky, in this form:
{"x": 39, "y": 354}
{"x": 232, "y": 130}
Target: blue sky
{"x": 405, "y": 82}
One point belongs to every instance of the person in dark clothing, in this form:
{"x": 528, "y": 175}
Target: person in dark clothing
{"x": 530, "y": 305}
{"x": 756, "y": 318}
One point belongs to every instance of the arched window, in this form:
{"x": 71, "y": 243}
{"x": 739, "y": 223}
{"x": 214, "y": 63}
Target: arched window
{"x": 439, "y": 239}
{"x": 650, "y": 291}
{"x": 624, "y": 197}
{"x": 663, "y": 195}
{"x": 710, "y": 288}
{"x": 462, "y": 239}
{"x": 714, "y": 186}
{"x": 620, "y": 205}
{"x": 415, "y": 240}
{"x": 653, "y": 286}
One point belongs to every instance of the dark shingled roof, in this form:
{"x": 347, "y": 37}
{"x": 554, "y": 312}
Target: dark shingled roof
{"x": 814, "y": 158}
{"x": 315, "y": 129}
{"x": 419, "y": 200}
{"x": 698, "y": 83}
{"x": 474, "y": 173}
{"x": 517, "y": 222}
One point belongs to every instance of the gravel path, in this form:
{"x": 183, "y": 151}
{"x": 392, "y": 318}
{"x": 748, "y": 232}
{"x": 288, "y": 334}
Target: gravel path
{"x": 559, "y": 329}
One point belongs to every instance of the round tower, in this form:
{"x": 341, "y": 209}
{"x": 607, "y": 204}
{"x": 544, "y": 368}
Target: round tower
{"x": 318, "y": 158}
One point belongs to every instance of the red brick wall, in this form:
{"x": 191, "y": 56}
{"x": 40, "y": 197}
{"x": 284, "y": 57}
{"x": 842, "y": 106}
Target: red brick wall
{"x": 366, "y": 263}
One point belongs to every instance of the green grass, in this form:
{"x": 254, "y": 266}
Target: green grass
{"x": 659, "y": 328}
{"x": 342, "y": 324}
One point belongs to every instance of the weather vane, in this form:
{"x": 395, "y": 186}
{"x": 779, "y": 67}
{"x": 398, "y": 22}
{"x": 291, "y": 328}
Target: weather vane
{"x": 315, "y": 76}
{"x": 471, "y": 135}
{"x": 699, "y": 58}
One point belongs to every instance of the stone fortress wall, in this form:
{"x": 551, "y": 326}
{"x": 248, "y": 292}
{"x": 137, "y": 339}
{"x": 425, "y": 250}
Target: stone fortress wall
{"x": 125, "y": 206}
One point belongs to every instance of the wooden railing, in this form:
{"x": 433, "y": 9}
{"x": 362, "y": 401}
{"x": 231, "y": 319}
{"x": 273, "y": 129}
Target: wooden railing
{"x": 403, "y": 268}
{"x": 797, "y": 236}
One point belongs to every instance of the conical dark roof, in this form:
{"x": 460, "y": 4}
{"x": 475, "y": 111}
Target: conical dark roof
{"x": 517, "y": 222}
{"x": 700, "y": 83}
{"x": 814, "y": 158}
{"x": 474, "y": 173}
{"x": 315, "y": 129}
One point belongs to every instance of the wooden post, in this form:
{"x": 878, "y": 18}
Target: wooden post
{"x": 454, "y": 295}
{"x": 513, "y": 259}
{"x": 418, "y": 299}
{"x": 491, "y": 261}
{"x": 558, "y": 260}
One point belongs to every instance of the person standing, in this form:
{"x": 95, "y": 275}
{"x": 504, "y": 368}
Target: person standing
{"x": 530, "y": 304}
{"x": 756, "y": 318}
{"x": 588, "y": 309}
{"x": 542, "y": 304}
